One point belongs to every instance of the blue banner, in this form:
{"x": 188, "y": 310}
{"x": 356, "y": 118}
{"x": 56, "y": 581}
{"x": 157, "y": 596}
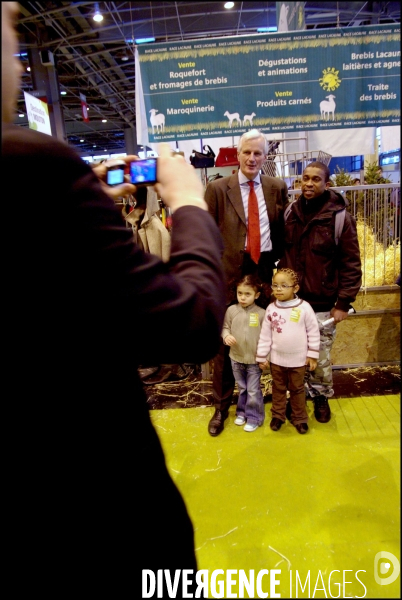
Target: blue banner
{"x": 279, "y": 82}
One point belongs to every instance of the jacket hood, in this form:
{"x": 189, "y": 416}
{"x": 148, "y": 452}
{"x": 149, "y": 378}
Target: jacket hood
{"x": 332, "y": 202}
{"x": 337, "y": 199}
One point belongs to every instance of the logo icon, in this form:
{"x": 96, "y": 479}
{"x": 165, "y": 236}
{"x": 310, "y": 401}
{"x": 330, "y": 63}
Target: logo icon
{"x": 382, "y": 566}
{"x": 330, "y": 80}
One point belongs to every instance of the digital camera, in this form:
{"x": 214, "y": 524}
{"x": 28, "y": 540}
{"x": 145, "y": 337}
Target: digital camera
{"x": 143, "y": 172}
{"x": 115, "y": 172}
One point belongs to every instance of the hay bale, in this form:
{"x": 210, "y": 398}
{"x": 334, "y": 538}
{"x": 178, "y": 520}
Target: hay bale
{"x": 380, "y": 265}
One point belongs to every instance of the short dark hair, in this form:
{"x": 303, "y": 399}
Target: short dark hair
{"x": 264, "y": 289}
{"x": 252, "y": 280}
{"x": 319, "y": 165}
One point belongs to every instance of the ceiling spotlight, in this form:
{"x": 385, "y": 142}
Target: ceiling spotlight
{"x": 82, "y": 141}
{"x": 265, "y": 29}
{"x": 63, "y": 93}
{"x": 98, "y": 17}
{"x": 21, "y": 115}
{"x": 104, "y": 120}
{"x": 124, "y": 57}
{"x": 144, "y": 40}
{"x": 229, "y": 4}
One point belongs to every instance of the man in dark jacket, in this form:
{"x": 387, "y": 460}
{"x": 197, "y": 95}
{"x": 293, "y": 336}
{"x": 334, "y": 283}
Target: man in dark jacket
{"x": 89, "y": 498}
{"x": 329, "y": 270}
{"x": 228, "y": 200}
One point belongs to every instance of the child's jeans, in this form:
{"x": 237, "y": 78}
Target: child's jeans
{"x": 250, "y": 404}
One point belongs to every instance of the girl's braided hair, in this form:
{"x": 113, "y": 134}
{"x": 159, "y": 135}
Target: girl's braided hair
{"x": 292, "y": 274}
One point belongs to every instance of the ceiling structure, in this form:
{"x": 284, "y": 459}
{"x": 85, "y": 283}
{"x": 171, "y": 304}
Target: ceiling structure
{"x": 97, "y": 59}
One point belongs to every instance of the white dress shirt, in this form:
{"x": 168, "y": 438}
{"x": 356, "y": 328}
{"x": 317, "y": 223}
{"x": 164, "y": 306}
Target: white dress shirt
{"x": 266, "y": 244}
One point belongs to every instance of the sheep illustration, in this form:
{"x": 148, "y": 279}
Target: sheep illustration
{"x": 328, "y": 106}
{"x": 248, "y": 118}
{"x": 157, "y": 120}
{"x": 232, "y": 117}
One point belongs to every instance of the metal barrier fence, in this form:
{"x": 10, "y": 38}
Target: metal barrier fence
{"x": 378, "y": 218}
{"x": 290, "y": 166}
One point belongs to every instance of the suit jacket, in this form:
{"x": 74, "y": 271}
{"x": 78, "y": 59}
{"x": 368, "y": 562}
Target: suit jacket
{"x": 87, "y": 465}
{"x": 224, "y": 200}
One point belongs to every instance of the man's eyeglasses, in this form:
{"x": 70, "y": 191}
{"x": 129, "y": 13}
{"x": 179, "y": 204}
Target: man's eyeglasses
{"x": 283, "y": 286}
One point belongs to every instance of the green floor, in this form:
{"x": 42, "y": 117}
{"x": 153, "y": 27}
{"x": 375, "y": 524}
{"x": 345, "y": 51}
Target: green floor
{"x": 318, "y": 507}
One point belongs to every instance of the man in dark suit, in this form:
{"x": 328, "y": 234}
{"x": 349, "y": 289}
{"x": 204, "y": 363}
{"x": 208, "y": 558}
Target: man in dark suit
{"x": 227, "y": 200}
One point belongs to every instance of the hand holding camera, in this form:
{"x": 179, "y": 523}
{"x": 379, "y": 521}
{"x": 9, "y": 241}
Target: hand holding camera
{"x": 175, "y": 180}
{"x": 116, "y": 190}
{"x": 140, "y": 172}
{"x": 178, "y": 183}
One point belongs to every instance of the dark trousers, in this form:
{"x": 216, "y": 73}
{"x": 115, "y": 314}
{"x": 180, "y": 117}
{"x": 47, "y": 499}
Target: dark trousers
{"x": 288, "y": 379}
{"x": 223, "y": 381}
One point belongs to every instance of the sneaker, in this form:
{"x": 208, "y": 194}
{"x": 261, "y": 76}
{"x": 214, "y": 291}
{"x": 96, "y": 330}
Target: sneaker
{"x": 276, "y": 424}
{"x": 322, "y": 411}
{"x": 302, "y": 427}
{"x": 239, "y": 420}
{"x": 250, "y": 427}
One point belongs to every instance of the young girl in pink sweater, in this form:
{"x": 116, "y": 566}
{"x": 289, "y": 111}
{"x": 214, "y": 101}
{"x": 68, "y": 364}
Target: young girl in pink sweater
{"x": 289, "y": 343}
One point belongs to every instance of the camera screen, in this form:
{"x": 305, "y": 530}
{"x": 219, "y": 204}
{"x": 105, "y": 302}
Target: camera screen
{"x": 143, "y": 171}
{"x": 115, "y": 176}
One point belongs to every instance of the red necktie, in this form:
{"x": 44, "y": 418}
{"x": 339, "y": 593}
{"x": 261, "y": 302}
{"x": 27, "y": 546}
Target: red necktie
{"x": 253, "y": 230}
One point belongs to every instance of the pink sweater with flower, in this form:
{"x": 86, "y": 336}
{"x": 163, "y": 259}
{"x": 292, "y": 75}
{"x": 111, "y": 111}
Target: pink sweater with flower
{"x": 289, "y": 334}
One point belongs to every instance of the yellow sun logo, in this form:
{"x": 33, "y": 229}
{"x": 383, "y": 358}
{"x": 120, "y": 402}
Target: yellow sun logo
{"x": 330, "y": 80}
